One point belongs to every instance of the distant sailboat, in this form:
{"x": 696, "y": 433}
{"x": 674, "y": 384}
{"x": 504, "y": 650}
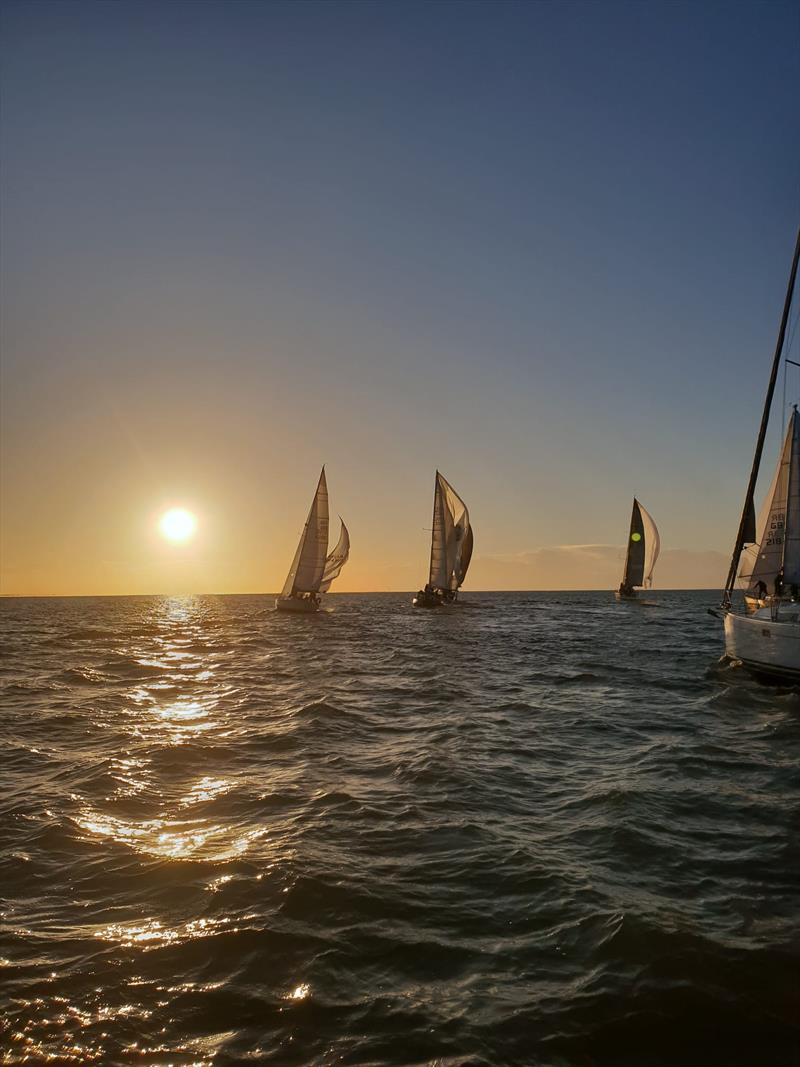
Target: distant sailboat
{"x": 312, "y": 571}
{"x": 451, "y": 547}
{"x": 766, "y": 555}
{"x": 644, "y": 545}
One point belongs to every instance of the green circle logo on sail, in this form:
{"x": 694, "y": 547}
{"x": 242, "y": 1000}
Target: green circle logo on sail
{"x": 636, "y": 537}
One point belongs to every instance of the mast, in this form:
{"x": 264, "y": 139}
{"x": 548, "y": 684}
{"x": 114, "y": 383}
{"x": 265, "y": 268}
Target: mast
{"x": 748, "y": 509}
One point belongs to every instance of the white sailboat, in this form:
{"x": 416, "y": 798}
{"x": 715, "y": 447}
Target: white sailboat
{"x": 312, "y": 570}
{"x": 451, "y": 547}
{"x": 765, "y": 636}
{"x": 644, "y": 544}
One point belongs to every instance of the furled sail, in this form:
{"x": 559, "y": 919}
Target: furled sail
{"x": 451, "y": 543}
{"x": 336, "y": 560}
{"x": 308, "y": 564}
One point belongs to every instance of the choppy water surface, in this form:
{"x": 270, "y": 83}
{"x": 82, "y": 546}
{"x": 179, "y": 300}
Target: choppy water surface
{"x": 530, "y": 829}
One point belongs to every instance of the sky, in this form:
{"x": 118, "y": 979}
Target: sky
{"x": 542, "y": 247}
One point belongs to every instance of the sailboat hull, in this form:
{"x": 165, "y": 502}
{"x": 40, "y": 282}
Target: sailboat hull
{"x": 306, "y": 606}
{"x": 434, "y": 600}
{"x": 765, "y": 646}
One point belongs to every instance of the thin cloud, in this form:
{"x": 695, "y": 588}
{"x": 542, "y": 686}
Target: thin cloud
{"x": 593, "y": 567}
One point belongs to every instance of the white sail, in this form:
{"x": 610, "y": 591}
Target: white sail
{"x": 765, "y": 639}
{"x": 763, "y": 560}
{"x": 450, "y": 526}
{"x": 652, "y": 544}
{"x": 791, "y": 544}
{"x": 308, "y": 564}
{"x": 336, "y": 560}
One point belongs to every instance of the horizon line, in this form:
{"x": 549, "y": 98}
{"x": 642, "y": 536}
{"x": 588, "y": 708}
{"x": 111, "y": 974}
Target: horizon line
{"x": 354, "y": 592}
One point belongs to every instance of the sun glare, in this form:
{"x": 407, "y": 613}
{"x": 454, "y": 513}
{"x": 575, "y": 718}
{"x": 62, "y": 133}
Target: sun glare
{"x": 177, "y": 524}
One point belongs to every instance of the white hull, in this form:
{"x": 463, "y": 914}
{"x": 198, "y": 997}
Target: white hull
{"x": 765, "y": 646}
{"x": 306, "y": 606}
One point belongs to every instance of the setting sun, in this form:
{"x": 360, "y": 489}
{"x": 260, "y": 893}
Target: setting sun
{"x": 177, "y": 524}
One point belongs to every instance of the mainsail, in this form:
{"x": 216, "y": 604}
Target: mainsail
{"x": 778, "y": 544}
{"x": 305, "y": 574}
{"x": 791, "y": 544}
{"x": 451, "y": 543}
{"x": 644, "y": 545}
{"x": 336, "y": 560}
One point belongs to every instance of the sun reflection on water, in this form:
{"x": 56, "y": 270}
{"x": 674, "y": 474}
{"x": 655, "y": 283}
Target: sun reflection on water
{"x": 300, "y": 992}
{"x": 206, "y": 789}
{"x": 186, "y": 839}
{"x": 151, "y": 933}
{"x": 168, "y": 687}
{"x": 184, "y": 709}
{"x": 62, "y": 1028}
{"x": 180, "y": 608}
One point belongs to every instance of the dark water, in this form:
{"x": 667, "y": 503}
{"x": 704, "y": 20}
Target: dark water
{"x": 531, "y": 829}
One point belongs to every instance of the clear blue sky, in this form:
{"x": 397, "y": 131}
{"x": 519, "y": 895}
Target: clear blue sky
{"x": 541, "y": 246}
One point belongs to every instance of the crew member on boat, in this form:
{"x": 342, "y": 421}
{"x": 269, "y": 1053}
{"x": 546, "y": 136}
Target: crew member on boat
{"x": 760, "y": 589}
{"x": 779, "y": 583}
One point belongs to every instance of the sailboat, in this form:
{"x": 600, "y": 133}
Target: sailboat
{"x": 451, "y": 547}
{"x": 765, "y": 635}
{"x": 644, "y": 545}
{"x": 312, "y": 570}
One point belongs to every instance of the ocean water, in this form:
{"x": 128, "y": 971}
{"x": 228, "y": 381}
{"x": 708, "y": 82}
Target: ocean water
{"x": 529, "y": 829}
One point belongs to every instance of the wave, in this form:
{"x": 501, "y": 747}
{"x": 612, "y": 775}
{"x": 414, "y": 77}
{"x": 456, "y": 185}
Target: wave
{"x": 533, "y": 831}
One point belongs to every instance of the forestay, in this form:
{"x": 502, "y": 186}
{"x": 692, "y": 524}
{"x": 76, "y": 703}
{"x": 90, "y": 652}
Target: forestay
{"x": 308, "y": 565}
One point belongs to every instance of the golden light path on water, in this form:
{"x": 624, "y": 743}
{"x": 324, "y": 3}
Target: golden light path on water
{"x": 176, "y": 704}
{"x": 174, "y": 722}
{"x": 175, "y": 839}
